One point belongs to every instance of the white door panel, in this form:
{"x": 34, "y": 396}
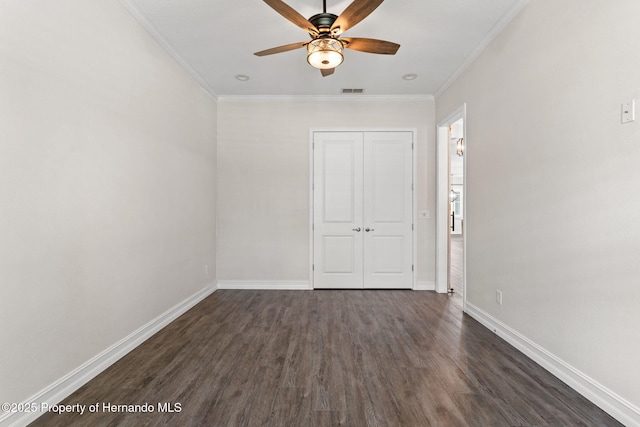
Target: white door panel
{"x": 338, "y": 181}
{"x": 338, "y": 254}
{"x": 337, "y": 199}
{"x": 388, "y": 206}
{"x": 363, "y": 204}
{"x": 387, "y": 254}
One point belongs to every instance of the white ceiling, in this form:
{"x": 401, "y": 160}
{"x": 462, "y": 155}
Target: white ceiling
{"x": 215, "y": 40}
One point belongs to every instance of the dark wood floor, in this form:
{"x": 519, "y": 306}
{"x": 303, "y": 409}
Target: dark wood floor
{"x": 321, "y": 358}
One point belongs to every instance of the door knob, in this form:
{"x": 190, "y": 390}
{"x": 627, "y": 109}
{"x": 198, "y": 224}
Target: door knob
{"x": 356, "y": 229}
{"x": 368, "y": 229}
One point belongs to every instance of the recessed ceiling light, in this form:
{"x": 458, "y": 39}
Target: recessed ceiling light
{"x": 242, "y": 77}
{"x": 411, "y": 76}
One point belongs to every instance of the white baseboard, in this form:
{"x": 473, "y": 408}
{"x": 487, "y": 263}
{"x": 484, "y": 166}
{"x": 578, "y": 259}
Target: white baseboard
{"x": 292, "y": 285}
{"x": 59, "y": 390}
{"x": 608, "y": 401}
{"x": 265, "y": 284}
{"x": 425, "y": 286}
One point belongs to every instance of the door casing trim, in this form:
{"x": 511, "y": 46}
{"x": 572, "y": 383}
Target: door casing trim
{"x": 414, "y": 199}
{"x": 442, "y": 201}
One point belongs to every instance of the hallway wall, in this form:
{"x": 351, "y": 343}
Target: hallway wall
{"x": 552, "y": 184}
{"x": 107, "y": 186}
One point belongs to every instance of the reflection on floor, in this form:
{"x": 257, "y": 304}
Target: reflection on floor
{"x": 455, "y": 279}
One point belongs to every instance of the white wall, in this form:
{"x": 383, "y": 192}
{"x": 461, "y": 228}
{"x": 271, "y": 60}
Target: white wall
{"x": 263, "y": 179}
{"x": 107, "y": 186}
{"x": 552, "y": 176}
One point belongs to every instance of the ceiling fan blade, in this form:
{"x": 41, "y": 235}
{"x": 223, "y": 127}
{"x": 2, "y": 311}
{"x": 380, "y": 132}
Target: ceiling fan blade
{"x": 354, "y": 13}
{"x": 327, "y": 72}
{"x": 371, "y": 45}
{"x": 288, "y": 12}
{"x": 281, "y": 49}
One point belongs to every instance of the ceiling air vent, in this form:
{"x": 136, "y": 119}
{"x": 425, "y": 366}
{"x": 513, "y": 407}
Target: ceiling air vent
{"x": 352, "y": 90}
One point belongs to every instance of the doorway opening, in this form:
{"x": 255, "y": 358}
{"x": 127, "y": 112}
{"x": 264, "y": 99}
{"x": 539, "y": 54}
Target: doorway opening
{"x": 456, "y": 209}
{"x": 451, "y": 207}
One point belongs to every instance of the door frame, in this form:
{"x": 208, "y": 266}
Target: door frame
{"x": 414, "y": 197}
{"x": 442, "y": 201}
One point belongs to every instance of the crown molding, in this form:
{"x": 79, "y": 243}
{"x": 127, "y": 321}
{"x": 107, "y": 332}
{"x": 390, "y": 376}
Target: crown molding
{"x": 144, "y": 22}
{"x": 493, "y": 33}
{"x": 330, "y": 98}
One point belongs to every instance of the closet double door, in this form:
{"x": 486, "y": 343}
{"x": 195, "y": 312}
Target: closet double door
{"x": 362, "y": 210}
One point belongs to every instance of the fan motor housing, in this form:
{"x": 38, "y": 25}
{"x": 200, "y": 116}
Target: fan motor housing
{"x": 323, "y": 21}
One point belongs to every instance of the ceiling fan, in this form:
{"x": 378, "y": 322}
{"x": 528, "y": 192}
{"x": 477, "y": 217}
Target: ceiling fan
{"x": 324, "y": 51}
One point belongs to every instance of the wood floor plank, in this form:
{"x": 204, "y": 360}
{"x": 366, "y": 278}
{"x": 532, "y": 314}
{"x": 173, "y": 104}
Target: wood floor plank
{"x": 325, "y": 358}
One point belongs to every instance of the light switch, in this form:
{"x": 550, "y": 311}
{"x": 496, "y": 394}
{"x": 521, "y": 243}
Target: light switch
{"x": 424, "y": 214}
{"x": 629, "y": 111}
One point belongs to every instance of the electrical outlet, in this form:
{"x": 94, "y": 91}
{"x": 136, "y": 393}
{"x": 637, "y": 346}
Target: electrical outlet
{"x": 499, "y": 297}
{"x": 206, "y": 269}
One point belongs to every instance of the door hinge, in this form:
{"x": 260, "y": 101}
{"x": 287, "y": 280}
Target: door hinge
{"x": 412, "y": 145}
{"x": 313, "y": 267}
{"x": 411, "y": 227}
{"x": 411, "y": 267}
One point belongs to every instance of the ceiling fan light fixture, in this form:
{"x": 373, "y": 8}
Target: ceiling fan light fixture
{"x": 324, "y": 53}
